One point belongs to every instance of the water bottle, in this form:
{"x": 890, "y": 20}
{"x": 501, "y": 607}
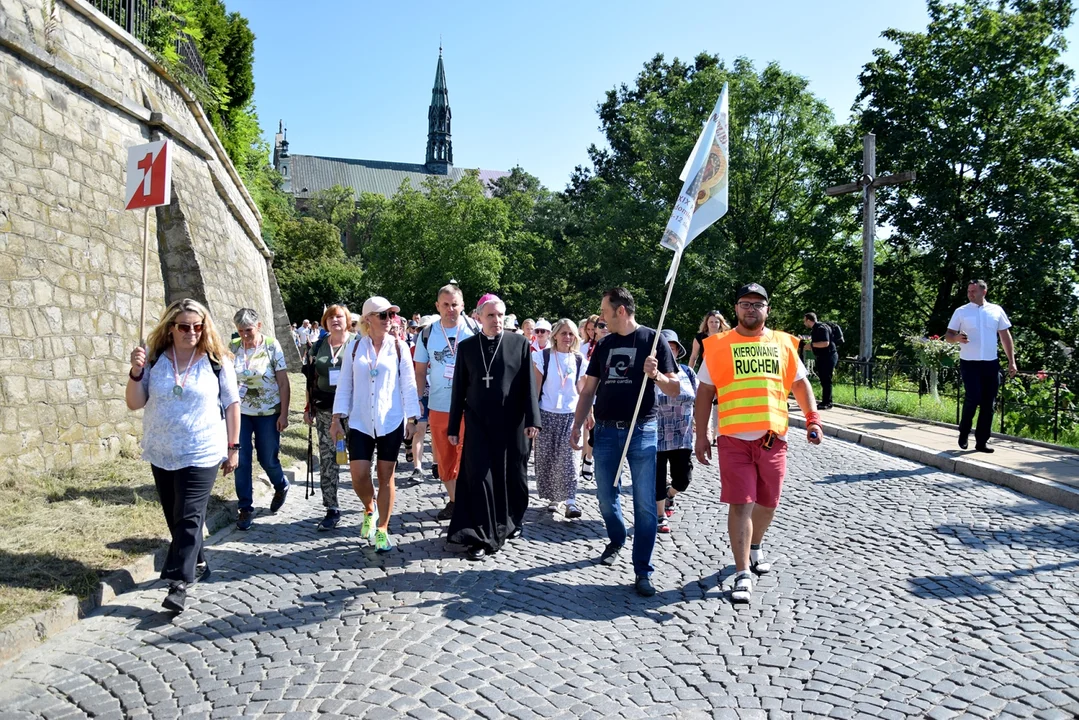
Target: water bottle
{"x": 342, "y": 455}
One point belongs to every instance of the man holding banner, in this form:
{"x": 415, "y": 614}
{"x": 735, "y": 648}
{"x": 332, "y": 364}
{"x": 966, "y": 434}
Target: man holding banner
{"x": 620, "y": 365}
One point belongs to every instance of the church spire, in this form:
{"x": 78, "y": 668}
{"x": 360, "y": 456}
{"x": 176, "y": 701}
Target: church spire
{"x": 439, "y": 145}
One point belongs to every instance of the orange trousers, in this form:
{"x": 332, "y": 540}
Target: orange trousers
{"x": 449, "y": 456}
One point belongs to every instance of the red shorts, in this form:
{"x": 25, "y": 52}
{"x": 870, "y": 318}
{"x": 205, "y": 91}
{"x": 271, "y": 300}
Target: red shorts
{"x": 750, "y": 474}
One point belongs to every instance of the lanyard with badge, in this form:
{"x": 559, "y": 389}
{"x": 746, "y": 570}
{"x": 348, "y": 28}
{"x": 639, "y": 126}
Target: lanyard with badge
{"x": 247, "y": 372}
{"x": 563, "y": 374}
{"x": 335, "y": 372}
{"x": 451, "y": 351}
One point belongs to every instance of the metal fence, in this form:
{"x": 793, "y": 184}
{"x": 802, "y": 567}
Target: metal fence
{"x": 135, "y": 17}
{"x": 1032, "y": 399}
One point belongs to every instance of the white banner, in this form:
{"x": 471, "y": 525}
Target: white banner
{"x": 703, "y": 199}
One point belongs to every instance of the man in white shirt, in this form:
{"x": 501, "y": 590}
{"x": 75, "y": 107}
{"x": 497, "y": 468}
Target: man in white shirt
{"x": 976, "y": 326}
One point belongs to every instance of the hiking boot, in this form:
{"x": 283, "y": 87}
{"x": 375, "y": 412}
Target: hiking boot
{"x": 243, "y": 521}
{"x": 176, "y": 597}
{"x": 743, "y": 587}
{"x": 382, "y": 541}
{"x": 330, "y": 521}
{"x": 446, "y": 513}
{"x": 370, "y": 523}
{"x": 610, "y": 554}
{"x": 644, "y": 586}
{"x": 278, "y": 499}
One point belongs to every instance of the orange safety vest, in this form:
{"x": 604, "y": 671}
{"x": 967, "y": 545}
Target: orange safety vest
{"x": 753, "y": 377}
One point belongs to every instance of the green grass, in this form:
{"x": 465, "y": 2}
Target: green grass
{"x": 62, "y": 531}
{"x": 924, "y": 407}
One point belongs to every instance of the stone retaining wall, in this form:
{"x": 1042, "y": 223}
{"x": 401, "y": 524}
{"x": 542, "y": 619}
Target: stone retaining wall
{"x": 75, "y": 93}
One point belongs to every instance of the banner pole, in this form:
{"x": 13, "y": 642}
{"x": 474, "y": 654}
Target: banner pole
{"x": 655, "y": 343}
{"x": 145, "y": 262}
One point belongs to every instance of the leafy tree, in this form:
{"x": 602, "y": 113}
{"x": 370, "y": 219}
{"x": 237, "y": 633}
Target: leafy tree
{"x": 324, "y": 283}
{"x": 304, "y": 244}
{"x": 981, "y": 106}
{"x": 779, "y": 223}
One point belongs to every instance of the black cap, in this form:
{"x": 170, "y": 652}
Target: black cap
{"x": 751, "y": 289}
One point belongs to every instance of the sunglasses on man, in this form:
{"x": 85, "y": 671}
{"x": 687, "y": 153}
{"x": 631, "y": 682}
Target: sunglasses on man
{"x": 189, "y": 327}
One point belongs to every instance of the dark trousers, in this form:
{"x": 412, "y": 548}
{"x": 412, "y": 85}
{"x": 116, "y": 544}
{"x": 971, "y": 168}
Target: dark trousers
{"x": 825, "y": 367}
{"x": 681, "y": 464}
{"x": 981, "y": 380}
{"x": 184, "y": 495}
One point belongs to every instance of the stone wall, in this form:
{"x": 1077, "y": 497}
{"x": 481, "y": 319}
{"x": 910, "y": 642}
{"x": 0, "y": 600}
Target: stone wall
{"x": 75, "y": 93}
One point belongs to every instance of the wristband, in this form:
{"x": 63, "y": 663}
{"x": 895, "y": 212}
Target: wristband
{"x": 813, "y": 418}
{"x": 137, "y": 378}
{"x": 234, "y": 446}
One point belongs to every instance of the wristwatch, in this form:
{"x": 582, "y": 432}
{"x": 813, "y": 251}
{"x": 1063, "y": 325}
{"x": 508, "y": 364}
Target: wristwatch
{"x": 234, "y": 446}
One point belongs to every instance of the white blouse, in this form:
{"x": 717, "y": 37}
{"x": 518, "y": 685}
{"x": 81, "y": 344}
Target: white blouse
{"x": 377, "y": 391}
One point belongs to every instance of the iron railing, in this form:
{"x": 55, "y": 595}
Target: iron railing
{"x": 134, "y": 16}
{"x": 1028, "y": 398}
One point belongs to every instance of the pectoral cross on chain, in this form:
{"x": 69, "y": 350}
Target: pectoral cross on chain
{"x": 487, "y": 380}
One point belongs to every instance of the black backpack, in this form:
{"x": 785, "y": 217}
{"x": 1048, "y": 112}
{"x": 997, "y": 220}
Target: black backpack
{"x": 837, "y": 333}
{"x": 547, "y": 363}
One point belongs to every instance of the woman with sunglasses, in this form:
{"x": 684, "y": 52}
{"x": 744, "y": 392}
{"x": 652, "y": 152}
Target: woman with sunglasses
{"x": 184, "y": 382}
{"x": 323, "y": 376}
{"x": 711, "y": 324}
{"x": 264, "y": 399}
{"x": 378, "y": 397}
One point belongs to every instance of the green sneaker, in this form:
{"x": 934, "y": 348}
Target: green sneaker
{"x": 370, "y": 522}
{"x": 382, "y": 542}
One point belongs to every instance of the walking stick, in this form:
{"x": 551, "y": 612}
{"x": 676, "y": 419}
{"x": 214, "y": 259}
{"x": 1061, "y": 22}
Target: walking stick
{"x": 310, "y": 490}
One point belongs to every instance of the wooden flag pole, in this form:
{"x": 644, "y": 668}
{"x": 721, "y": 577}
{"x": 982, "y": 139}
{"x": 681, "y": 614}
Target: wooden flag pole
{"x": 145, "y": 262}
{"x": 655, "y": 344}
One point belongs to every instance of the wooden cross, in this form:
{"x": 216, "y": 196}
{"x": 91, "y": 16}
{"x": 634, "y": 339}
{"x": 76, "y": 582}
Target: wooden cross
{"x": 868, "y": 185}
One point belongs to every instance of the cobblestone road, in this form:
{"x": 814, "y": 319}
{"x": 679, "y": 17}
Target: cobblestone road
{"x": 898, "y": 591}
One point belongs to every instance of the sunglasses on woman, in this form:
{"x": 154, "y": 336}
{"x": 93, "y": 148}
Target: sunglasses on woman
{"x": 189, "y": 327}
{"x": 387, "y": 315}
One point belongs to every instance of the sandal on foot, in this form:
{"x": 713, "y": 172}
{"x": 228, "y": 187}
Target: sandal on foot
{"x": 743, "y": 587}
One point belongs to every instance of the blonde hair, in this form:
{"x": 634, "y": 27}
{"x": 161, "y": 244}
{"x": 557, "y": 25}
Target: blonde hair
{"x": 332, "y": 310}
{"x": 160, "y": 338}
{"x": 575, "y": 344}
{"x": 723, "y": 324}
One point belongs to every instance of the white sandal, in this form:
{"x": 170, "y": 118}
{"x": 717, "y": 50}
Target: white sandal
{"x": 586, "y": 469}
{"x": 743, "y": 587}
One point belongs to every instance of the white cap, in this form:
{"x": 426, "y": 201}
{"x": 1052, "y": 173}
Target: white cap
{"x": 378, "y": 304}
{"x": 542, "y": 324}
{"x": 428, "y": 319}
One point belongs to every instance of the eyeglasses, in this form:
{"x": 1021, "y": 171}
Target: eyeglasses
{"x": 387, "y": 314}
{"x": 601, "y": 325}
{"x": 189, "y": 327}
{"x": 752, "y": 305}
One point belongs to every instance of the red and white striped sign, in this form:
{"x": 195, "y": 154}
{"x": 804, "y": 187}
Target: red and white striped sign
{"x": 149, "y": 175}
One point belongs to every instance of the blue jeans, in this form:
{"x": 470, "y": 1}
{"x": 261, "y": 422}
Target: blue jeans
{"x": 642, "y": 469}
{"x": 266, "y": 445}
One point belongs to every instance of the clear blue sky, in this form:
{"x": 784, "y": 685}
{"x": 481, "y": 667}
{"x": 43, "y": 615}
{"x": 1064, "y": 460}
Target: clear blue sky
{"x": 353, "y": 79}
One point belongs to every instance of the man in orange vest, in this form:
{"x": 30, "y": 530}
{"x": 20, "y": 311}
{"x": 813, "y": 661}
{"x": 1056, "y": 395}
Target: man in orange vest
{"x": 752, "y": 370}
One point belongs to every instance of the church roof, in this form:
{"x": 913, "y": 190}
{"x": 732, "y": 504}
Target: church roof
{"x": 311, "y": 173}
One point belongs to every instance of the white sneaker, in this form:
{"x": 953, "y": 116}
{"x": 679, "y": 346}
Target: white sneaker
{"x": 553, "y": 507}
{"x": 743, "y": 588}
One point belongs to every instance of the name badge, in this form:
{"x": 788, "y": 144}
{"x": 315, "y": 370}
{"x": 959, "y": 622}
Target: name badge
{"x": 448, "y": 372}
{"x": 558, "y": 402}
{"x": 334, "y": 375}
{"x": 242, "y": 390}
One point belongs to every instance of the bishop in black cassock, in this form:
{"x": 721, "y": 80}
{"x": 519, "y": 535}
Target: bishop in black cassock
{"x": 494, "y": 390}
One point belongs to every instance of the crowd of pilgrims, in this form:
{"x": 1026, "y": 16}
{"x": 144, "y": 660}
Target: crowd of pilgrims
{"x": 492, "y": 394}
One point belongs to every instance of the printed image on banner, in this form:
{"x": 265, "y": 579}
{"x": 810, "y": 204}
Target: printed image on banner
{"x": 703, "y": 199}
{"x": 149, "y": 175}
